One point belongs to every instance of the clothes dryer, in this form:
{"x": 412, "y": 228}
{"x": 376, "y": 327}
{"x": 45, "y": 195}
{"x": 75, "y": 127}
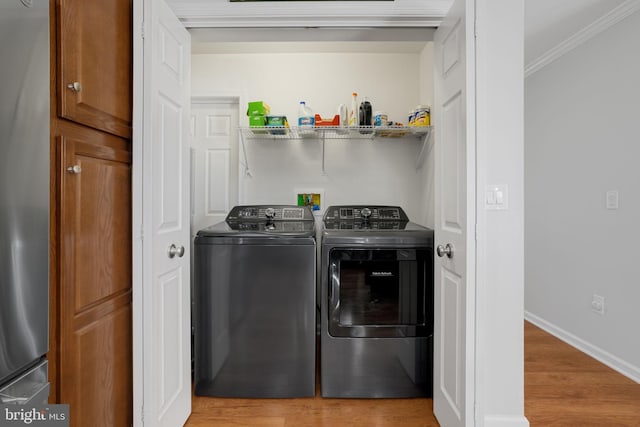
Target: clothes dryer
{"x": 376, "y": 304}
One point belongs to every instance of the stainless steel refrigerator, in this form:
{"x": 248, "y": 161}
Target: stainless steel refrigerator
{"x": 24, "y": 200}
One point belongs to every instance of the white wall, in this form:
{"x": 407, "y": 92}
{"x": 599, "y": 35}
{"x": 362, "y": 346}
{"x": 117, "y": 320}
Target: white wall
{"x": 382, "y": 172}
{"x": 581, "y": 133}
{"x": 500, "y": 239}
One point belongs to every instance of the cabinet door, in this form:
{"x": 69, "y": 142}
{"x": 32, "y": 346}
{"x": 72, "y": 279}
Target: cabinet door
{"x": 95, "y": 64}
{"x": 95, "y": 306}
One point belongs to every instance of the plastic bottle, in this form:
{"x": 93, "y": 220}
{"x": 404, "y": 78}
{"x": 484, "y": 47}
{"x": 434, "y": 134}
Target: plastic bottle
{"x": 306, "y": 119}
{"x": 422, "y": 115}
{"x": 365, "y": 113}
{"x": 344, "y": 116}
{"x": 353, "y": 110}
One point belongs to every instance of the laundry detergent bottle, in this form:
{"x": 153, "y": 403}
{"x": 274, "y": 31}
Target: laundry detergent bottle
{"x": 364, "y": 118}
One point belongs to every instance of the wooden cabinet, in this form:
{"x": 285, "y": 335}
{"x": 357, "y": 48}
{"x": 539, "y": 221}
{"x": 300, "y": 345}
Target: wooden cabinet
{"x": 90, "y": 356}
{"x": 95, "y": 64}
{"x": 95, "y": 304}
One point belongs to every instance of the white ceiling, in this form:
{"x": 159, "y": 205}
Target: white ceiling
{"x": 548, "y": 23}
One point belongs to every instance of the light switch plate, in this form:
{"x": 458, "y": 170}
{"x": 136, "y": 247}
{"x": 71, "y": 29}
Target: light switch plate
{"x": 612, "y": 199}
{"x": 496, "y": 197}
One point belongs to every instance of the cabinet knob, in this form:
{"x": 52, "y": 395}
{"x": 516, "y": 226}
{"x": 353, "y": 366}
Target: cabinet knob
{"x": 74, "y": 169}
{"x": 75, "y": 86}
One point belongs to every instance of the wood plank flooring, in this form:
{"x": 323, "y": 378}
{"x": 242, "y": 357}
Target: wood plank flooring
{"x": 563, "y": 388}
{"x": 566, "y": 388}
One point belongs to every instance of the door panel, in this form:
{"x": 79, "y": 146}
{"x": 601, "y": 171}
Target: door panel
{"x": 166, "y": 244}
{"x": 95, "y": 204}
{"x": 95, "y": 342}
{"x": 167, "y": 163}
{"x": 214, "y": 154}
{"x": 454, "y": 115}
{"x": 169, "y": 306}
{"x": 104, "y": 364}
{"x": 451, "y": 344}
{"x": 102, "y": 96}
{"x": 453, "y": 157}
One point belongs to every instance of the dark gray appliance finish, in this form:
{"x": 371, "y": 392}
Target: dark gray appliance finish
{"x": 376, "y": 298}
{"x": 24, "y": 200}
{"x": 254, "y": 304}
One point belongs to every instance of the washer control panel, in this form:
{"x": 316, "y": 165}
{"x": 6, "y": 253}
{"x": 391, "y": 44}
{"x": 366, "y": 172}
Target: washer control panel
{"x": 270, "y": 213}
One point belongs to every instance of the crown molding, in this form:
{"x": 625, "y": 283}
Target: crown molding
{"x": 224, "y": 14}
{"x": 605, "y": 22}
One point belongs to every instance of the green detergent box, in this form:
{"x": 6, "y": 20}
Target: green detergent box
{"x": 257, "y": 121}
{"x": 258, "y": 108}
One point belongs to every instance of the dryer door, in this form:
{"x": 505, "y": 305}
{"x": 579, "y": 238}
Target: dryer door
{"x": 380, "y": 292}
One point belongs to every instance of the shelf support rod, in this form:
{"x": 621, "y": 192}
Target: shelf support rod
{"x": 247, "y": 171}
{"x": 324, "y": 172}
{"x": 425, "y": 149}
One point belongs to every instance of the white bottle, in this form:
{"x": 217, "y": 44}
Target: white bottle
{"x": 306, "y": 119}
{"x": 344, "y": 116}
{"x": 353, "y": 110}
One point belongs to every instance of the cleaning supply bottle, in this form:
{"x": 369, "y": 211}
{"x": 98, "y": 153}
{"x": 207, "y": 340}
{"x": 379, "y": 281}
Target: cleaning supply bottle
{"x": 364, "y": 116}
{"x": 353, "y": 110}
{"x": 306, "y": 119}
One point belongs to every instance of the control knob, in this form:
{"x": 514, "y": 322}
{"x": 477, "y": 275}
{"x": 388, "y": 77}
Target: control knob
{"x": 270, "y": 213}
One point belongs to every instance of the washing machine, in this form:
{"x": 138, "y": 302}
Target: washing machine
{"x": 376, "y": 300}
{"x": 254, "y": 304}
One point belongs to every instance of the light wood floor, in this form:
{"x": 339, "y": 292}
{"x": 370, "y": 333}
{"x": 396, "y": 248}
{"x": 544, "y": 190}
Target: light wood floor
{"x": 563, "y": 388}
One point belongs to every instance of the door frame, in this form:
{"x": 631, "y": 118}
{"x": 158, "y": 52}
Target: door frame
{"x": 488, "y": 282}
{"x": 136, "y": 218}
{"x": 499, "y": 259}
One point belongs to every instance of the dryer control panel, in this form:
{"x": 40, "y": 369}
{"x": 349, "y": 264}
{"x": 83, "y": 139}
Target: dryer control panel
{"x": 365, "y": 217}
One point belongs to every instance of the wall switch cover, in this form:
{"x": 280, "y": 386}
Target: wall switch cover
{"x": 597, "y": 304}
{"x": 612, "y": 199}
{"x": 496, "y": 197}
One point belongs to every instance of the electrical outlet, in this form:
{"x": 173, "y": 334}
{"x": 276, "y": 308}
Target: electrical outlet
{"x": 597, "y": 304}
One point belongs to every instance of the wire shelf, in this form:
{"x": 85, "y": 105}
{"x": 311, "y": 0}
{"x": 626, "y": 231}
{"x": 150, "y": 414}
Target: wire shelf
{"x": 330, "y": 132}
{"x": 324, "y": 133}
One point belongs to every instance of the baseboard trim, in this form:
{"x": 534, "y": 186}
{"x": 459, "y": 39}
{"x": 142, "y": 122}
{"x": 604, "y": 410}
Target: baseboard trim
{"x": 502, "y": 421}
{"x": 627, "y": 369}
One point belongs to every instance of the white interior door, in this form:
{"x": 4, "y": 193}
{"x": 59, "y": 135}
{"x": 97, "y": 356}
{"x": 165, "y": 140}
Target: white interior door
{"x": 214, "y": 160}
{"x": 165, "y": 189}
{"x": 454, "y": 115}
